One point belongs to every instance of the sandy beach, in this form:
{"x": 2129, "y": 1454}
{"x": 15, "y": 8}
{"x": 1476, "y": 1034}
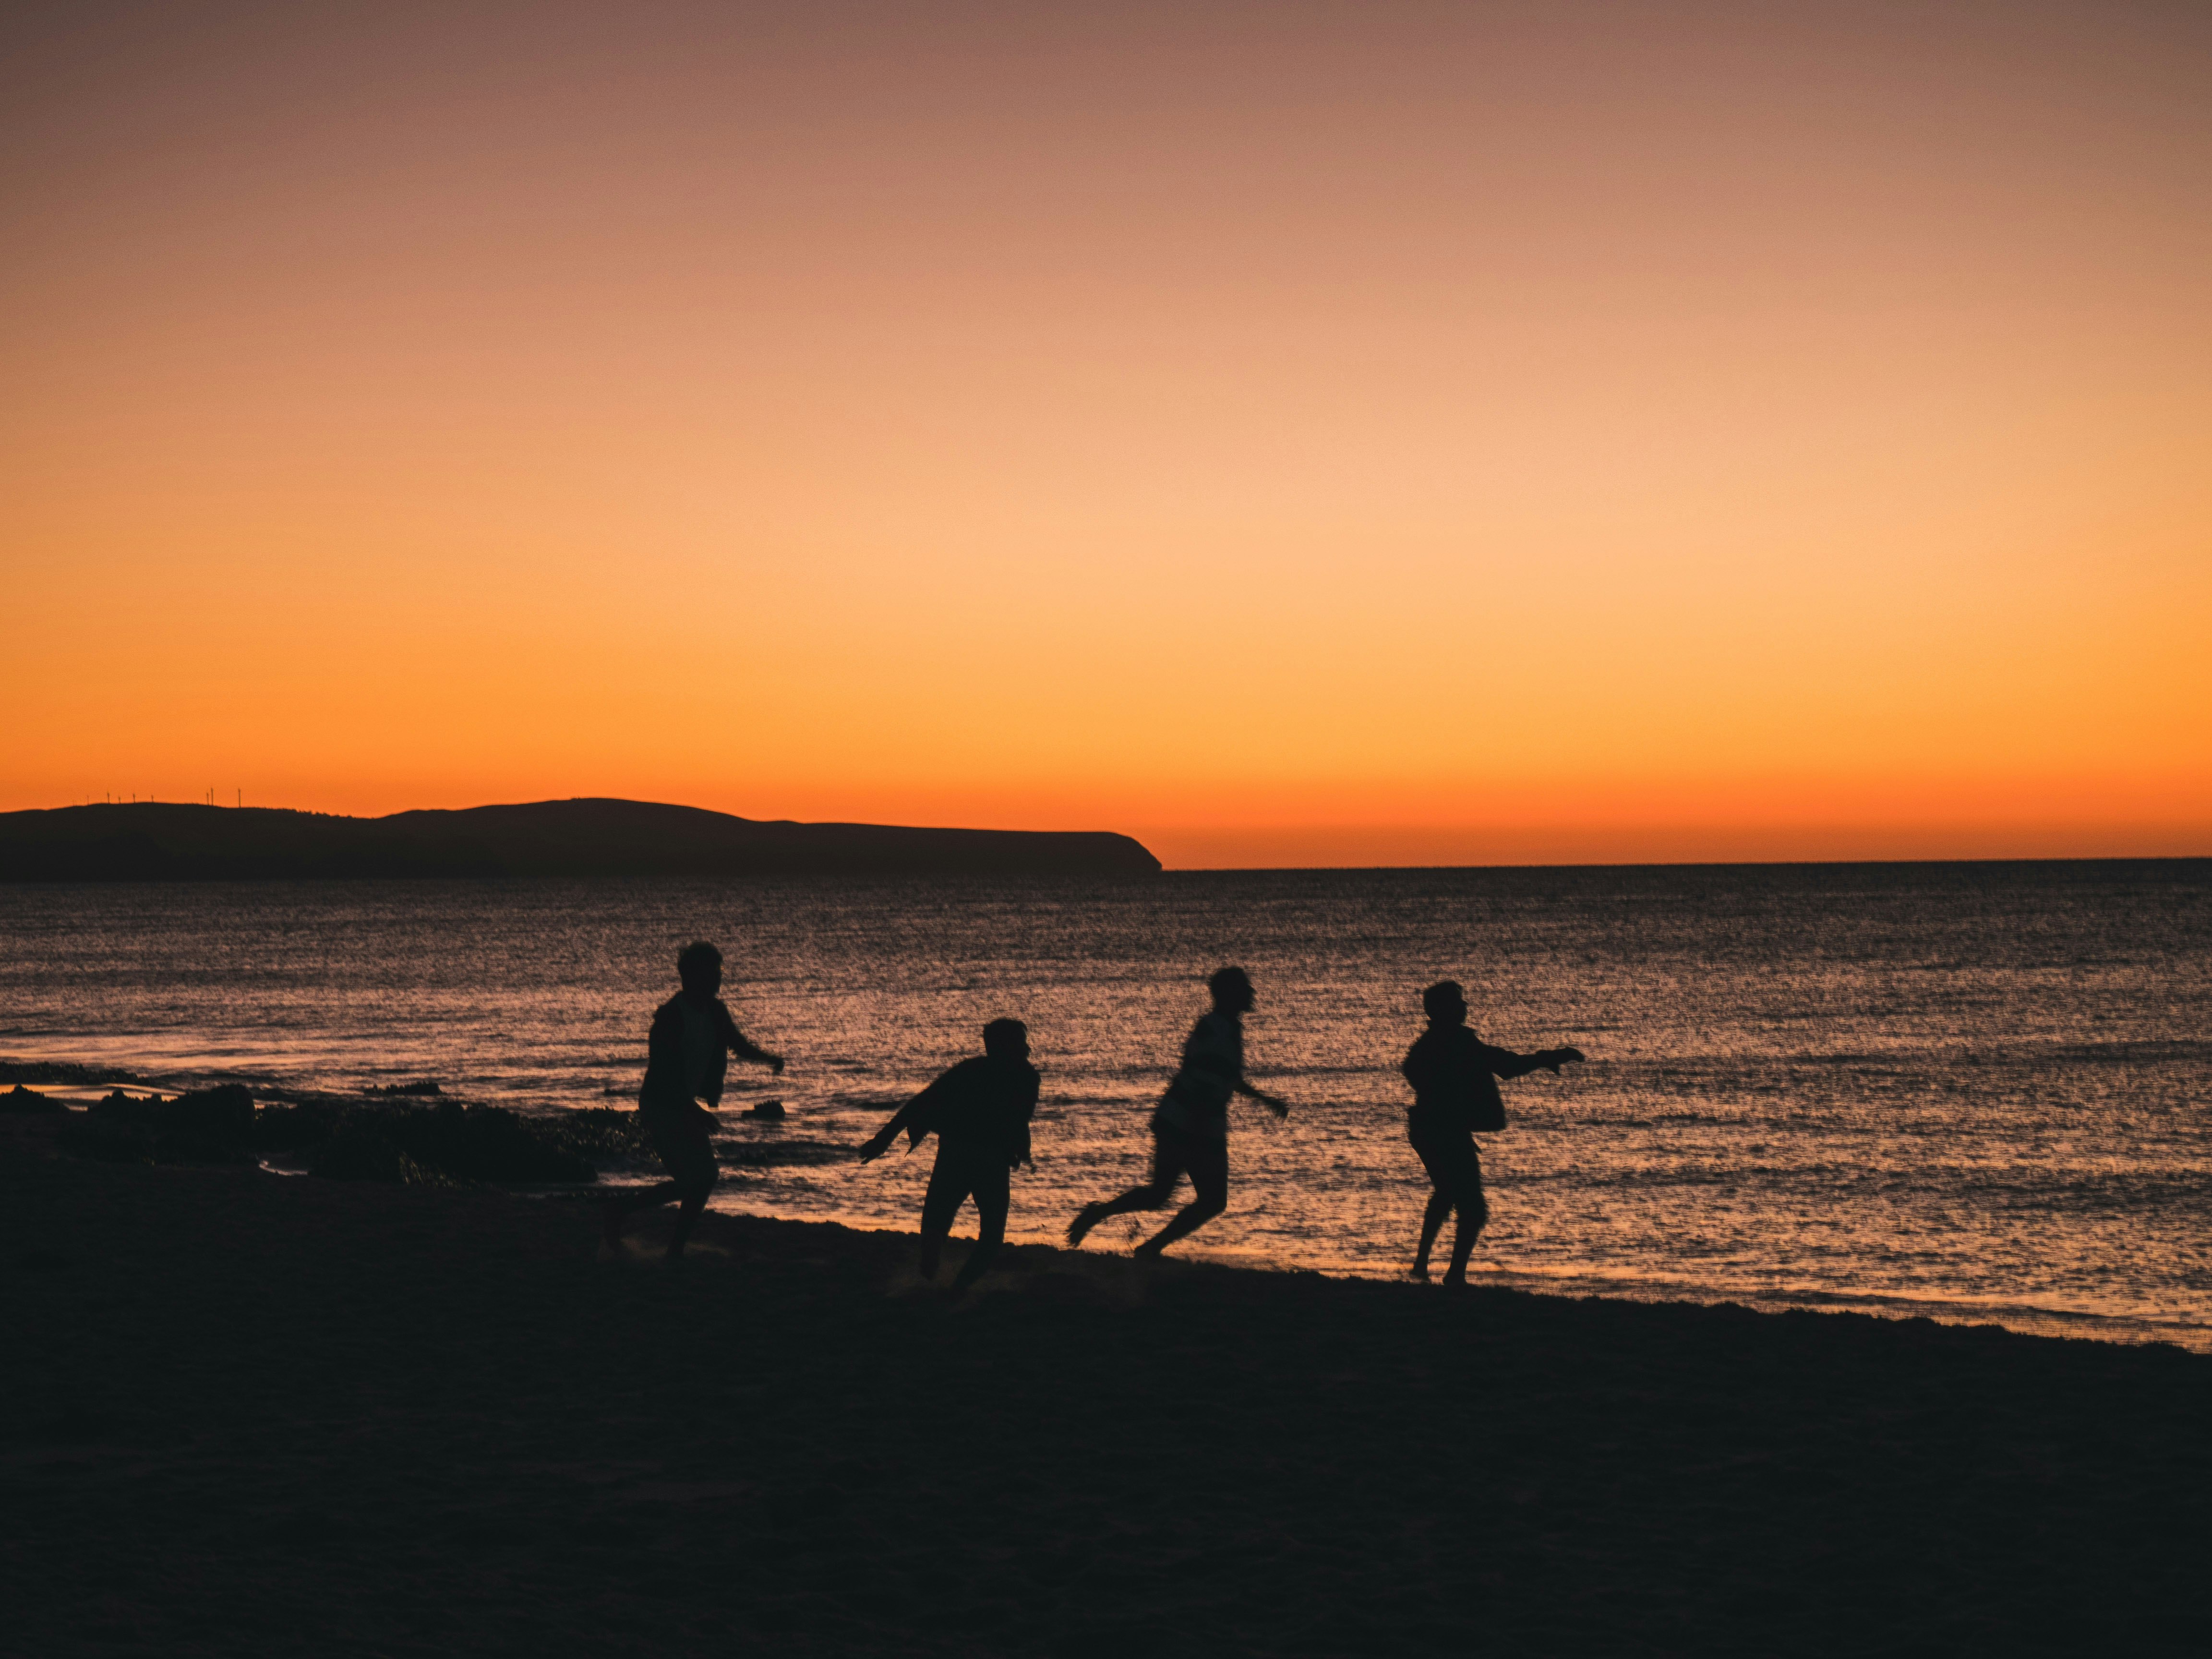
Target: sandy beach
{"x": 247, "y": 1413}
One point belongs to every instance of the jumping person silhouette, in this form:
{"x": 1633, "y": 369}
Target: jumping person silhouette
{"x": 1190, "y": 1126}
{"x": 687, "y": 1054}
{"x": 1455, "y": 1076}
{"x": 980, "y": 1111}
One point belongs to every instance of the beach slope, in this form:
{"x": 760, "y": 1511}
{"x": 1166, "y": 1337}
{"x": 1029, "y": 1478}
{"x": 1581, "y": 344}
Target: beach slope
{"x": 250, "y": 1414}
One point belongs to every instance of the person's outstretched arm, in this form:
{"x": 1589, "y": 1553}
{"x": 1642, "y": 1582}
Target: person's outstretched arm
{"x": 913, "y": 1117}
{"x": 880, "y": 1142}
{"x": 1503, "y": 1062}
{"x": 744, "y": 1048}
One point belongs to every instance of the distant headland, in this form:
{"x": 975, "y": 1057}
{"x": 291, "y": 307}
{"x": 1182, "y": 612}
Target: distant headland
{"x": 162, "y": 841}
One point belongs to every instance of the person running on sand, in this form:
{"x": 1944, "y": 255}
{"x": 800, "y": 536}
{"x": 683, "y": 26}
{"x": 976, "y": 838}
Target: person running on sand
{"x": 1455, "y": 1076}
{"x": 686, "y": 1054}
{"x": 980, "y": 1111}
{"x": 1190, "y": 1126}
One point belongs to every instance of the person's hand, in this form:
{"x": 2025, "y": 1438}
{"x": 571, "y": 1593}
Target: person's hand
{"x": 775, "y": 1065}
{"x": 1276, "y": 1104}
{"x": 874, "y": 1147}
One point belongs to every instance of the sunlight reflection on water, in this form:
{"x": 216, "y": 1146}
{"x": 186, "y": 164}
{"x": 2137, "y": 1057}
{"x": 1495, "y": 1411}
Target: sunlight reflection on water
{"x": 1974, "y": 1091}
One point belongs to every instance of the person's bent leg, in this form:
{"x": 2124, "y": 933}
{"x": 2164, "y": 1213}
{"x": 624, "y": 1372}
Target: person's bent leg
{"x": 695, "y": 1204}
{"x": 992, "y": 1199}
{"x": 948, "y": 1187}
{"x": 1168, "y": 1160}
{"x": 1209, "y": 1161}
{"x": 1473, "y": 1214}
{"x": 1435, "y": 1150}
{"x": 689, "y": 1156}
{"x": 1432, "y": 1223}
{"x": 687, "y": 1153}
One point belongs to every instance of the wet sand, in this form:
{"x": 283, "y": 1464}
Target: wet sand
{"x": 246, "y": 1414}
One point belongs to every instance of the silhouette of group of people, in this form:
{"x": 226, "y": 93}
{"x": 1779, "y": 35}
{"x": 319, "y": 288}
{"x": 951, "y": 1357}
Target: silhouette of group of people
{"x": 980, "y": 1110}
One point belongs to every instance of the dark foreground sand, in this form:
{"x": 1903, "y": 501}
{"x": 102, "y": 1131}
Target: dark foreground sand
{"x": 252, "y": 1414}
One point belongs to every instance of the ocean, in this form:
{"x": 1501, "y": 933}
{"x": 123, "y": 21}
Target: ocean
{"x": 1964, "y": 1091}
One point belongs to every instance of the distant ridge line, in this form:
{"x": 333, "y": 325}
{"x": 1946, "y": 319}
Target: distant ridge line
{"x": 588, "y": 836}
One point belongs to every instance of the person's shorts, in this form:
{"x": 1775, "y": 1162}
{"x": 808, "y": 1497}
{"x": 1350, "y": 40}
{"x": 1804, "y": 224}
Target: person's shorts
{"x": 682, "y": 1143}
{"x": 1449, "y": 1156}
{"x": 1177, "y": 1153}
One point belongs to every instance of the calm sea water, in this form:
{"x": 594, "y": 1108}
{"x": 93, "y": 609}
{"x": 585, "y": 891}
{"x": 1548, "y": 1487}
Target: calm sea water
{"x": 1970, "y": 1091}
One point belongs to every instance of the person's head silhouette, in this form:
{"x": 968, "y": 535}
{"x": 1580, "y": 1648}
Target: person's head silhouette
{"x": 1445, "y": 1003}
{"x": 1232, "y": 991}
{"x": 1006, "y": 1039}
{"x": 699, "y": 965}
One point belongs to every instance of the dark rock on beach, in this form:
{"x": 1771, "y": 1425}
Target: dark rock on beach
{"x": 359, "y": 1152}
{"x": 449, "y": 1141}
{"x": 218, "y": 1117}
{"x": 20, "y": 1099}
{"x": 198, "y": 1126}
{"x": 483, "y": 1143}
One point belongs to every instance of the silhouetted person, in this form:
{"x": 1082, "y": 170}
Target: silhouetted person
{"x": 1190, "y": 1126}
{"x": 686, "y": 1055}
{"x": 1455, "y": 1076}
{"x": 980, "y": 1111}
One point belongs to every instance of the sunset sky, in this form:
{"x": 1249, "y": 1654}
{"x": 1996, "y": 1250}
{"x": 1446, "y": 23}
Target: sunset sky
{"x": 1292, "y": 434}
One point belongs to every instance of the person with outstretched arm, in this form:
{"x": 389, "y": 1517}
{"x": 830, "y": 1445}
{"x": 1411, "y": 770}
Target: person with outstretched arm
{"x": 1455, "y": 1076}
{"x": 980, "y": 1112}
{"x": 687, "y": 1056}
{"x": 1190, "y": 1126}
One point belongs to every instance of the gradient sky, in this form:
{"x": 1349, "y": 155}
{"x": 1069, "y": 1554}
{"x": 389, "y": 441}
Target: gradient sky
{"x": 1292, "y": 434}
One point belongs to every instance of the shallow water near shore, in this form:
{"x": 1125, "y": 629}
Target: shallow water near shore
{"x": 1972, "y": 1091}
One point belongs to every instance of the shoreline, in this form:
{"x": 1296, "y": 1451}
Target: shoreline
{"x": 78, "y": 1086}
{"x": 421, "y": 1420}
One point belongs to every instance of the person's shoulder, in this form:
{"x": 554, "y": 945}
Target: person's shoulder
{"x": 1431, "y": 1047}
{"x": 672, "y": 1009}
{"x": 1440, "y": 1043}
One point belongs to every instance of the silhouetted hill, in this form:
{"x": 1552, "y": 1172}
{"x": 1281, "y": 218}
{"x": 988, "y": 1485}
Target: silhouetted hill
{"x": 150, "y": 842}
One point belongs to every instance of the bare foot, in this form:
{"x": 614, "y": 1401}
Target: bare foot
{"x": 1086, "y": 1219}
{"x": 1419, "y": 1271}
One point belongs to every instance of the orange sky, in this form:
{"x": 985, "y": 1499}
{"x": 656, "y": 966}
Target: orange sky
{"x": 1292, "y": 434}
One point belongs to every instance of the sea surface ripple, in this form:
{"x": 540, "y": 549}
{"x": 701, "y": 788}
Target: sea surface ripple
{"x": 1968, "y": 1091}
